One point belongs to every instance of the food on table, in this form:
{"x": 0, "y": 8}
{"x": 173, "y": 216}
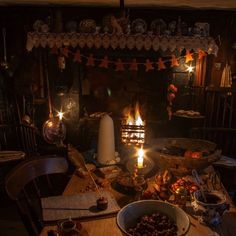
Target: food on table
{"x": 161, "y": 186}
{"x": 189, "y": 113}
{"x": 163, "y": 179}
{"x": 182, "y": 185}
{"x": 82, "y": 173}
{"x": 102, "y": 183}
{"x": 173, "y": 150}
{"x": 160, "y": 189}
{"x": 90, "y": 167}
{"x": 183, "y": 152}
{"x": 125, "y": 179}
{"x": 148, "y": 194}
{"x": 110, "y": 171}
{"x": 102, "y": 203}
{"x": 154, "y": 224}
{"x": 192, "y": 154}
{"x": 88, "y": 188}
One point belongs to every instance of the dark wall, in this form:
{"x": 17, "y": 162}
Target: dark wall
{"x": 19, "y": 20}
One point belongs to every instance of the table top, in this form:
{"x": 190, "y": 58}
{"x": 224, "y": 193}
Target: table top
{"x": 108, "y": 226}
{"x": 6, "y": 156}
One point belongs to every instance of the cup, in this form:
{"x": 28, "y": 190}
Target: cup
{"x": 210, "y": 212}
{"x": 69, "y": 228}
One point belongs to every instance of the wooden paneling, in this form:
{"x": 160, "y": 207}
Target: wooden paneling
{"x": 229, "y": 4}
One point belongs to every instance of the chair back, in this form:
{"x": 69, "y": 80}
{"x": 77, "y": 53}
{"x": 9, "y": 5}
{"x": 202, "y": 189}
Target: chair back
{"x": 26, "y": 184}
{"x": 18, "y": 137}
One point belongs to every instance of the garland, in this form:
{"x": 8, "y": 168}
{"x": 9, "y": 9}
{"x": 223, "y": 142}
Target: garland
{"x": 120, "y": 64}
{"x": 132, "y": 66}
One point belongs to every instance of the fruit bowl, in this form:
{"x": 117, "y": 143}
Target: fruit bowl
{"x": 182, "y": 155}
{"x": 129, "y": 215}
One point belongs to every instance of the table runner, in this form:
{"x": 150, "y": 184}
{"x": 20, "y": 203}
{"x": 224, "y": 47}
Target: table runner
{"x": 76, "y": 206}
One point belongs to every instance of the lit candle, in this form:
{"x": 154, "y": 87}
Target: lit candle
{"x": 140, "y": 158}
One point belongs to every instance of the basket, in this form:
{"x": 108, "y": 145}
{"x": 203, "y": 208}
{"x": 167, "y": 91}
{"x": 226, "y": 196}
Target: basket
{"x": 180, "y": 165}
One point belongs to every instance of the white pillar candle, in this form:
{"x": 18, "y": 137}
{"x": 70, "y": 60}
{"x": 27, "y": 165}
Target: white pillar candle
{"x": 106, "y": 142}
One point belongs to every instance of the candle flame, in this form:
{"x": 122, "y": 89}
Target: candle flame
{"x": 60, "y": 115}
{"x": 140, "y": 158}
{"x": 140, "y": 152}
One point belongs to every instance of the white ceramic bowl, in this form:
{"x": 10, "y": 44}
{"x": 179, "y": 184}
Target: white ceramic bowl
{"x": 127, "y": 217}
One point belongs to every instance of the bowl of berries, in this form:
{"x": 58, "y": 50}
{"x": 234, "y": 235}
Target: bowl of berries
{"x": 152, "y": 217}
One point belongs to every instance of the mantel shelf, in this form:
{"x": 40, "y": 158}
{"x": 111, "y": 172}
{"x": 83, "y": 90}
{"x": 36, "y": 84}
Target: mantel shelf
{"x": 124, "y": 41}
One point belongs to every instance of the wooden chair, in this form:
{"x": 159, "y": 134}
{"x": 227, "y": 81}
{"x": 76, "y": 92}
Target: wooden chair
{"x": 18, "y": 137}
{"x": 31, "y": 180}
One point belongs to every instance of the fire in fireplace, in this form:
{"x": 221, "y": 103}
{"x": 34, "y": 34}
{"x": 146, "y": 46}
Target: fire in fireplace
{"x": 133, "y": 127}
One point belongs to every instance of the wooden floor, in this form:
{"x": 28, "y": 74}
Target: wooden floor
{"x": 10, "y": 222}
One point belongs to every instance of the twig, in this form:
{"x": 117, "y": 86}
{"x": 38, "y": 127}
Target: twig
{"x": 94, "y": 182}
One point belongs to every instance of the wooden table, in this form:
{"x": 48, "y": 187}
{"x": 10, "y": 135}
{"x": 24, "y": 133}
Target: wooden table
{"x": 107, "y": 226}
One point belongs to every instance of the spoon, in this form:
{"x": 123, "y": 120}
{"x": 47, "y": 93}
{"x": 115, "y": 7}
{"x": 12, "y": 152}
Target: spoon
{"x": 199, "y": 182}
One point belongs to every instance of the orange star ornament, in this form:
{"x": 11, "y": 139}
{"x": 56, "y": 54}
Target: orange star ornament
{"x": 104, "y": 62}
{"x": 161, "y": 64}
{"x": 119, "y": 65}
{"x": 134, "y": 65}
{"x": 188, "y": 56}
{"x": 90, "y": 61}
{"x": 149, "y": 65}
{"x": 174, "y": 61}
{"x": 77, "y": 56}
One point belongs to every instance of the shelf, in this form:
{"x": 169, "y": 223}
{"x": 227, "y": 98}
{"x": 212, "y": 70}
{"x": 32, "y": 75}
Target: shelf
{"x": 123, "y": 42}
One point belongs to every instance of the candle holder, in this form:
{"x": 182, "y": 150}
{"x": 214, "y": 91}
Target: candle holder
{"x": 134, "y": 180}
{"x": 139, "y": 181}
{"x": 132, "y": 166}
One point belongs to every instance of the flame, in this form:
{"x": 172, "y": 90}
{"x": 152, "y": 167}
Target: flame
{"x": 60, "y": 115}
{"x": 140, "y": 152}
{"x": 138, "y": 119}
{"x": 140, "y": 158}
{"x": 130, "y": 119}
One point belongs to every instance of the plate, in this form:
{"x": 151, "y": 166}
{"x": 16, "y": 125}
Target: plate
{"x": 149, "y": 165}
{"x": 139, "y": 26}
{"x": 172, "y": 27}
{"x": 87, "y": 26}
{"x": 158, "y": 26}
{"x": 201, "y": 29}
